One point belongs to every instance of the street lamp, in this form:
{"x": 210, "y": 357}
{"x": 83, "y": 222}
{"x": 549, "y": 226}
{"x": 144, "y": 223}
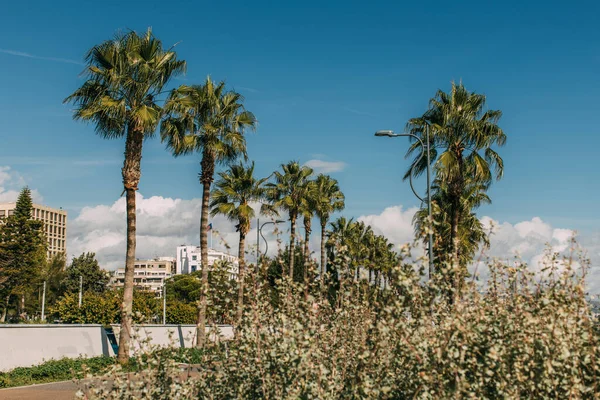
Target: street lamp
{"x": 424, "y": 149}
{"x": 259, "y": 232}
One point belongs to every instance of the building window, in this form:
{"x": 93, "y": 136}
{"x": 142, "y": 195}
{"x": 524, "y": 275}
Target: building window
{"x": 11, "y": 212}
{"x": 2, "y": 213}
{"x": 194, "y": 258}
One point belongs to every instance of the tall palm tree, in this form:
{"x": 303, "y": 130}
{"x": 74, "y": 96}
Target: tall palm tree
{"x": 287, "y": 193}
{"x": 209, "y": 120}
{"x": 125, "y": 77}
{"x": 234, "y": 191}
{"x": 461, "y": 128}
{"x": 329, "y": 199}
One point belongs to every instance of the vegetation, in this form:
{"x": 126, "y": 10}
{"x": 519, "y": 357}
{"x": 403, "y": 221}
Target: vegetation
{"x": 85, "y": 267}
{"x": 22, "y": 256}
{"x": 522, "y": 336}
{"x": 55, "y": 370}
{"x": 125, "y": 77}
{"x": 104, "y": 308}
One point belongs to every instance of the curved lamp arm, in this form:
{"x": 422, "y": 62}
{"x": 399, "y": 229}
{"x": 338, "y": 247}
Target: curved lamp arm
{"x": 410, "y": 177}
{"x": 260, "y": 232}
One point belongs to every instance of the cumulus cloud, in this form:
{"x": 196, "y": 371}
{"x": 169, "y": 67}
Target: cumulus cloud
{"x": 393, "y": 223}
{"x": 11, "y": 184}
{"x": 162, "y": 225}
{"x": 325, "y": 167}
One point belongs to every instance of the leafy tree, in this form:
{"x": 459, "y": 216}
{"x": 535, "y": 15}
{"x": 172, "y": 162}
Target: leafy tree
{"x": 288, "y": 193}
{"x": 94, "y": 279}
{"x": 235, "y": 190}
{"x": 22, "y": 252}
{"x": 221, "y": 294}
{"x": 103, "y": 308}
{"x": 329, "y": 199}
{"x": 125, "y": 77}
{"x": 179, "y": 312}
{"x": 465, "y": 132}
{"x": 210, "y": 120}
{"x": 185, "y": 287}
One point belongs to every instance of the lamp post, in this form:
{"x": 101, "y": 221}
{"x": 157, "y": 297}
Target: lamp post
{"x": 424, "y": 149}
{"x": 279, "y": 221}
{"x": 164, "y": 296}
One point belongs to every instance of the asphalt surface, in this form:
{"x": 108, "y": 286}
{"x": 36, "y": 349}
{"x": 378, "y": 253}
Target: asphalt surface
{"x": 52, "y": 391}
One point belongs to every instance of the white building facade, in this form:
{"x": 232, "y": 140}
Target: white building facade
{"x": 188, "y": 260}
{"x": 149, "y": 275}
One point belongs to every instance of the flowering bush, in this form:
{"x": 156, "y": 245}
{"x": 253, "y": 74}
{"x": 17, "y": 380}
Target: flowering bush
{"x": 523, "y": 335}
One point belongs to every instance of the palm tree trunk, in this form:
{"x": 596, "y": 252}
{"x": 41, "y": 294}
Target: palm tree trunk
{"x": 323, "y": 255}
{"x": 206, "y": 177}
{"x": 307, "y": 232}
{"x": 241, "y": 276}
{"x": 131, "y": 177}
{"x": 292, "y": 244}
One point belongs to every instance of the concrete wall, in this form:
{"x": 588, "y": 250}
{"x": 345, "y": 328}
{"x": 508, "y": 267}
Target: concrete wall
{"x": 173, "y": 335}
{"x": 27, "y": 345}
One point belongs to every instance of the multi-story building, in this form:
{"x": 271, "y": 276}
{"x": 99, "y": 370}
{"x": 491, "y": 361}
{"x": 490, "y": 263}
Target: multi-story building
{"x": 149, "y": 275}
{"x": 55, "y": 225}
{"x": 189, "y": 260}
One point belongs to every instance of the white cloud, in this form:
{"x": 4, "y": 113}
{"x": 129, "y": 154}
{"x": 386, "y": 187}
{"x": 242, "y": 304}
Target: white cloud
{"x": 528, "y": 240}
{"x": 162, "y": 225}
{"x": 393, "y": 223}
{"x": 325, "y": 167}
{"x": 11, "y": 184}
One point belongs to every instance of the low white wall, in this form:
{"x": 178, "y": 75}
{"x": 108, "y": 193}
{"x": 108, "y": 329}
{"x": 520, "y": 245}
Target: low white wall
{"x": 27, "y": 345}
{"x": 173, "y": 335}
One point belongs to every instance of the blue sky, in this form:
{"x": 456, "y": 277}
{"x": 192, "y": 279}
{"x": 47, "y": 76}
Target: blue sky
{"x": 321, "y": 77}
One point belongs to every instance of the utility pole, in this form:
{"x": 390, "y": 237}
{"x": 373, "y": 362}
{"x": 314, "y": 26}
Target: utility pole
{"x": 164, "y": 302}
{"x": 80, "y": 289}
{"x": 44, "y": 302}
{"x": 257, "y": 241}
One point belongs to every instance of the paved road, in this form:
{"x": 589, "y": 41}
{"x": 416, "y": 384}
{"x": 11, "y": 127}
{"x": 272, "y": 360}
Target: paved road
{"x": 51, "y": 391}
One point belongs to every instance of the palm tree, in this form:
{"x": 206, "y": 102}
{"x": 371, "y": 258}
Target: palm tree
{"x": 329, "y": 199}
{"x": 125, "y": 77}
{"x": 209, "y": 120}
{"x": 288, "y": 193}
{"x": 462, "y": 129}
{"x": 235, "y": 190}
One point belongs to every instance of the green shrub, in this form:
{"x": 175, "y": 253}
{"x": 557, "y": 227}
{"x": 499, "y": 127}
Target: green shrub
{"x": 55, "y": 370}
